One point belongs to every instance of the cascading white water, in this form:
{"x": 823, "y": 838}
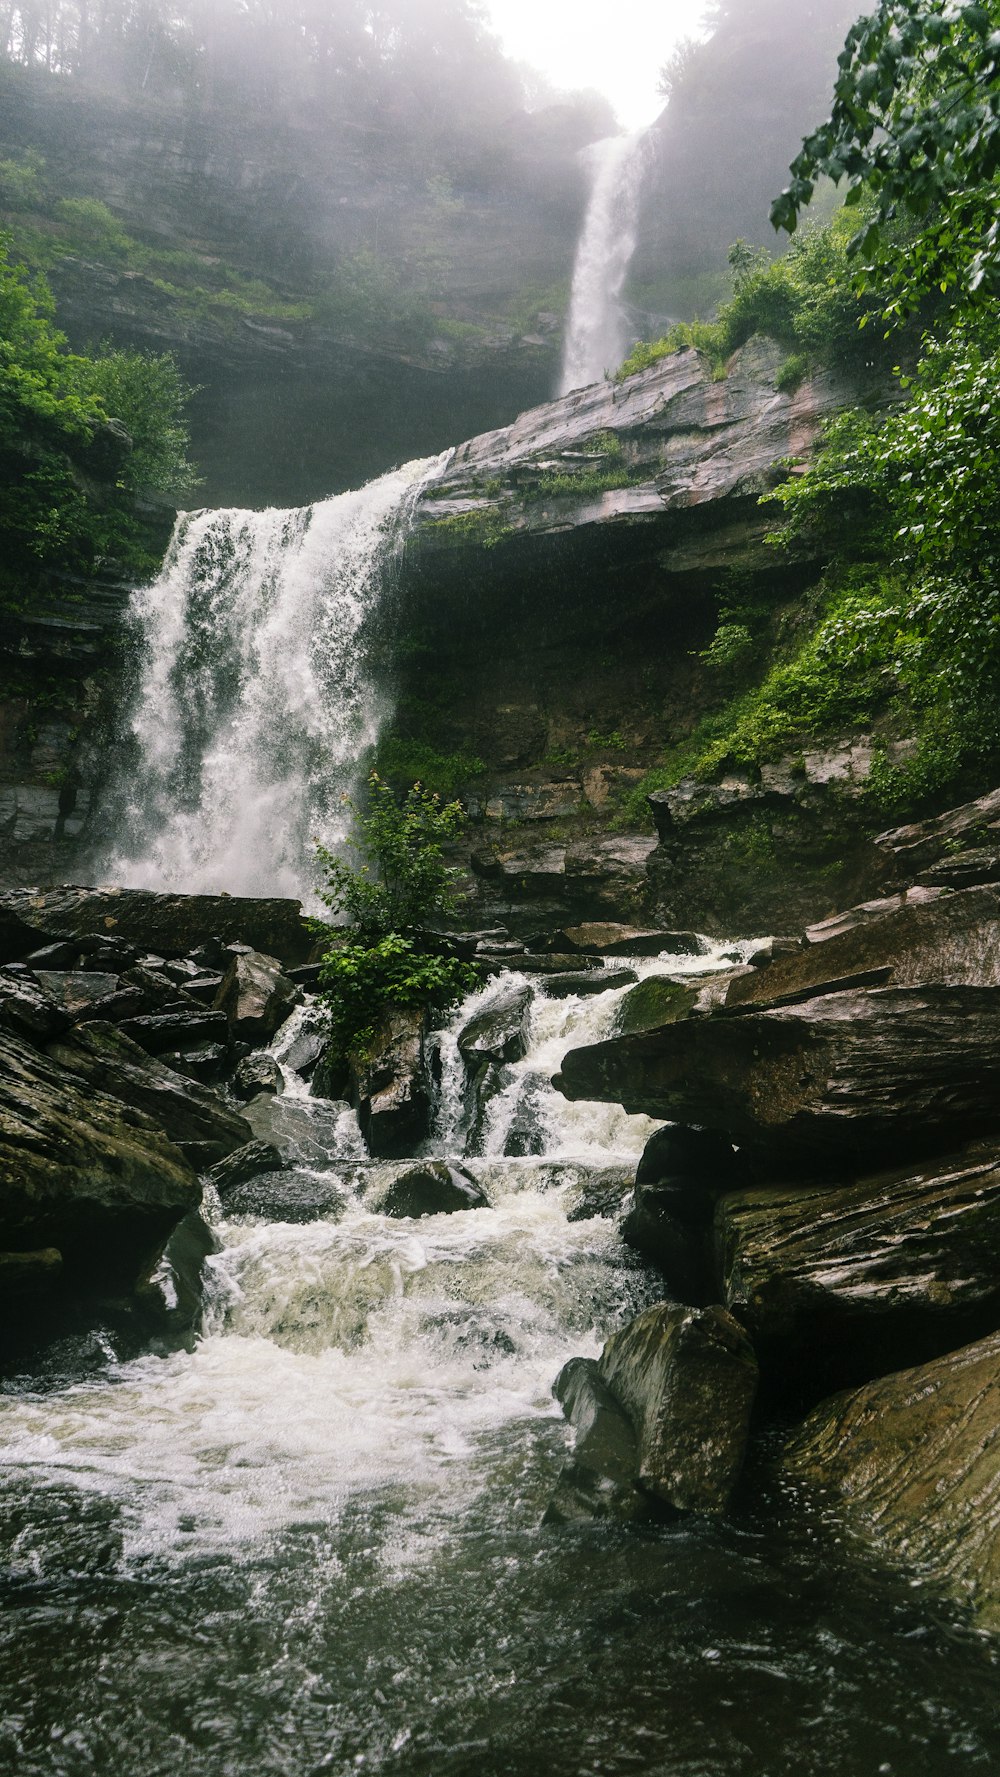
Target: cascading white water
{"x": 257, "y": 697}
{"x": 597, "y": 334}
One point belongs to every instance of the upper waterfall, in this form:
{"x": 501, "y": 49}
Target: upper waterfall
{"x": 597, "y": 336}
{"x": 257, "y": 697}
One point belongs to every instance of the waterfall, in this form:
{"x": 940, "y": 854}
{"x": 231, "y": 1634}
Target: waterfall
{"x": 258, "y": 695}
{"x": 598, "y": 338}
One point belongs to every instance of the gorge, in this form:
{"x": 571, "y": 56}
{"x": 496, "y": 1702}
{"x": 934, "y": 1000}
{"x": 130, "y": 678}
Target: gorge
{"x": 700, "y": 1157}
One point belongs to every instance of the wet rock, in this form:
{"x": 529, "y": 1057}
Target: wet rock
{"x": 671, "y": 1225}
{"x": 904, "y": 852}
{"x": 695, "y": 1157}
{"x": 54, "y": 956}
{"x": 26, "y": 1010}
{"x": 244, "y": 1163}
{"x": 914, "y": 1460}
{"x": 193, "y": 1116}
{"x": 330, "y": 1078}
{"x": 207, "y": 1064}
{"x": 83, "y": 1172}
{"x": 498, "y": 962}
{"x": 687, "y": 1379}
{"x": 182, "y": 1030}
{"x": 599, "y": 1479}
{"x": 390, "y": 1088}
{"x": 431, "y": 1189}
{"x": 172, "y": 1295}
{"x": 256, "y": 997}
{"x": 600, "y": 1192}
{"x": 257, "y": 1073}
{"x": 306, "y": 1052}
{"x": 609, "y": 938}
{"x": 854, "y": 1076}
{"x": 948, "y": 940}
{"x": 839, "y": 1285}
{"x": 203, "y": 988}
{"x": 655, "y": 1001}
{"x": 576, "y": 982}
{"x": 307, "y": 1132}
{"x": 171, "y": 925}
{"x": 500, "y": 1033}
{"x": 289, "y": 1196}
{"x": 77, "y": 990}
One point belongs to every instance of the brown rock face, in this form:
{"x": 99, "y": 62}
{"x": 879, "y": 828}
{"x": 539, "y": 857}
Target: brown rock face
{"x": 687, "y": 1379}
{"x": 915, "y": 1460}
{"x": 256, "y": 997}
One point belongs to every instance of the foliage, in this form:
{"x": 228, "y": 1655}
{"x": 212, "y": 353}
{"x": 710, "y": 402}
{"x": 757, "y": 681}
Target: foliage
{"x": 404, "y": 880}
{"x": 362, "y": 982}
{"x": 402, "y": 761}
{"x": 914, "y": 128}
{"x": 69, "y": 482}
{"x": 807, "y": 299}
{"x": 402, "y": 883}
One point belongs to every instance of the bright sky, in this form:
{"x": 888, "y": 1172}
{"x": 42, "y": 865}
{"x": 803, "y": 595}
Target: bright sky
{"x": 617, "y": 46}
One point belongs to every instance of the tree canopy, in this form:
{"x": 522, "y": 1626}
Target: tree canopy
{"x": 915, "y": 126}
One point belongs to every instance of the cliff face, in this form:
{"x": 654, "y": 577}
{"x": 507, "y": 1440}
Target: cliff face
{"x": 339, "y": 304}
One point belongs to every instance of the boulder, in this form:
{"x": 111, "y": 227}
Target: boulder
{"x": 609, "y": 938}
{"x": 27, "y": 1281}
{"x": 172, "y": 925}
{"x": 500, "y": 1032}
{"x": 599, "y": 1479}
{"x": 76, "y": 990}
{"x": 680, "y": 1177}
{"x": 256, "y": 997}
{"x": 914, "y": 1461}
{"x": 26, "y": 1010}
{"x": 257, "y": 1073}
{"x": 687, "y": 1379}
{"x": 856, "y": 1077}
{"x": 292, "y": 1195}
{"x": 306, "y": 1051}
{"x": 390, "y": 1088}
{"x": 600, "y": 1192}
{"x": 245, "y": 1163}
{"x": 431, "y": 1189}
{"x": 576, "y": 983}
{"x": 836, "y": 1286}
{"x": 904, "y": 852}
{"x": 495, "y": 963}
{"x": 171, "y": 1296}
{"x": 179, "y": 1030}
{"x": 193, "y": 1116}
{"x": 84, "y": 1173}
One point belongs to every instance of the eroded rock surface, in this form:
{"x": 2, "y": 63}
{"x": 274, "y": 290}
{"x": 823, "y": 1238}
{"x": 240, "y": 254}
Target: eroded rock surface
{"x": 390, "y": 1088}
{"x": 915, "y": 1460}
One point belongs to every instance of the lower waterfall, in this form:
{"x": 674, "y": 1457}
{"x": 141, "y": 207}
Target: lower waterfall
{"x": 315, "y": 1543}
{"x": 256, "y": 696}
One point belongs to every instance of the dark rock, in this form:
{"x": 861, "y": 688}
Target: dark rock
{"x": 172, "y": 1294}
{"x": 431, "y": 1189}
{"x": 330, "y": 1079}
{"x": 601, "y": 1192}
{"x": 54, "y": 956}
{"x": 208, "y": 1063}
{"x": 306, "y": 975}
{"x": 904, "y": 852}
{"x": 28, "y": 1280}
{"x": 672, "y": 1226}
{"x": 27, "y": 1011}
{"x": 915, "y": 1461}
{"x": 305, "y": 1131}
{"x": 172, "y": 925}
{"x": 157, "y": 990}
{"x": 77, "y": 990}
{"x": 288, "y": 1196}
{"x": 203, "y": 988}
{"x": 114, "y": 1008}
{"x": 257, "y": 1073}
{"x": 837, "y": 1286}
{"x": 599, "y": 1479}
{"x": 306, "y": 1052}
{"x": 655, "y": 1001}
{"x": 608, "y": 938}
{"x": 194, "y": 1117}
{"x": 390, "y": 1088}
{"x": 256, "y": 997}
{"x": 575, "y": 982}
{"x": 539, "y": 965}
{"x": 687, "y": 1379}
{"x": 83, "y": 1172}
{"x": 182, "y": 969}
{"x": 244, "y": 1163}
{"x": 158, "y": 1032}
{"x": 949, "y": 940}
{"x": 846, "y": 1076}
{"x": 696, "y": 1156}
{"x": 500, "y": 1033}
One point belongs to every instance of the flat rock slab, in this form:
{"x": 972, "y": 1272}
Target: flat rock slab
{"x": 915, "y": 1461}
{"x": 687, "y": 1378}
{"x": 947, "y": 941}
{"x": 857, "y": 1077}
{"x": 171, "y": 925}
{"x": 83, "y": 1173}
{"x": 838, "y": 1286}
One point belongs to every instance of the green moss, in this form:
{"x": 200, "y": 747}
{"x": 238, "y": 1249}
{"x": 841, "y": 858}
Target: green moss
{"x": 402, "y": 762}
{"x": 484, "y": 527}
{"x": 652, "y": 1003}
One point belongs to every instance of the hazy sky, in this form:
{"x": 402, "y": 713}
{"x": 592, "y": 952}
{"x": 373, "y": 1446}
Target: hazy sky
{"x": 617, "y": 47}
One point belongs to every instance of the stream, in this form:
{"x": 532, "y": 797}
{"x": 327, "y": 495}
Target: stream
{"x": 315, "y": 1542}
